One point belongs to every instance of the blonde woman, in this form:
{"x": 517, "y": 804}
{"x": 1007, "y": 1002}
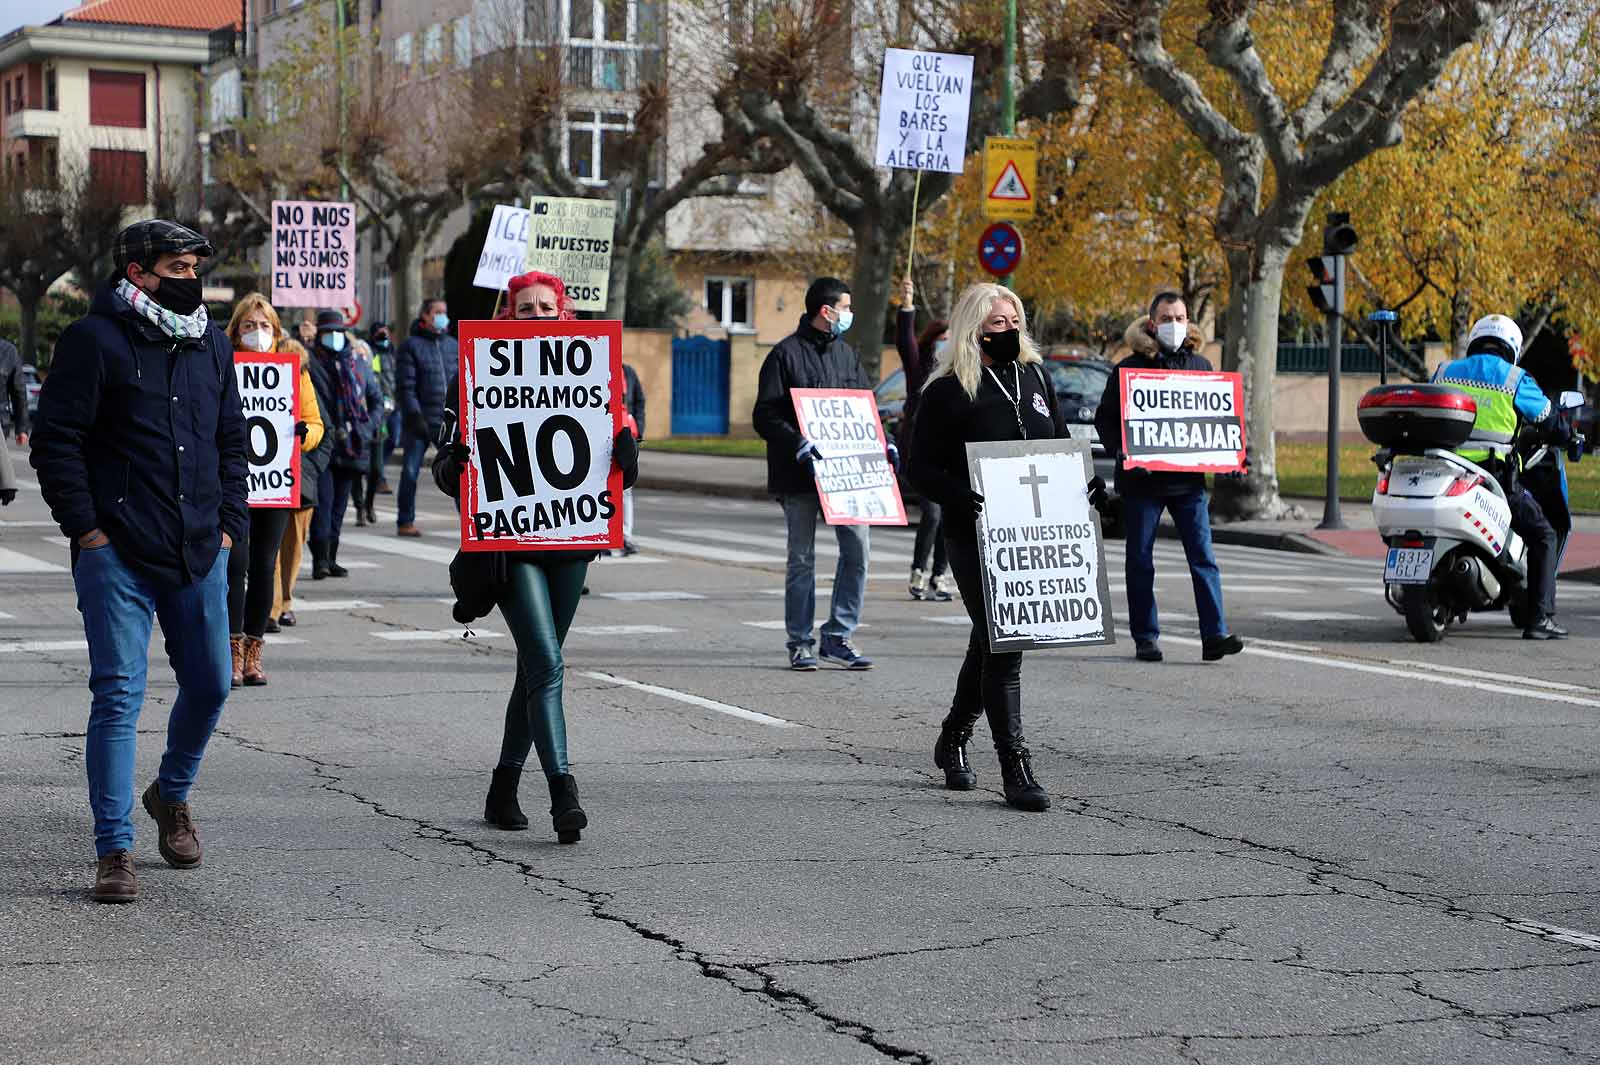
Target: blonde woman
{"x": 989, "y": 384}
{"x": 253, "y": 570}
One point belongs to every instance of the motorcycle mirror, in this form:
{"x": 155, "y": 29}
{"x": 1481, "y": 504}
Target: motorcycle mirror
{"x": 1570, "y": 400}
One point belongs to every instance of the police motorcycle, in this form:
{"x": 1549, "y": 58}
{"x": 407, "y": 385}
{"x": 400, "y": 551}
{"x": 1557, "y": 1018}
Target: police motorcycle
{"x": 1444, "y": 518}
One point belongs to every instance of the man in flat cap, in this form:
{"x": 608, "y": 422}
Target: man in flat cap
{"x": 140, "y": 451}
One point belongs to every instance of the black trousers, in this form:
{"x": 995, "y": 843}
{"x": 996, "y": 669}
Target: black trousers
{"x": 253, "y": 571}
{"x": 1528, "y": 519}
{"x": 988, "y": 683}
{"x": 930, "y": 540}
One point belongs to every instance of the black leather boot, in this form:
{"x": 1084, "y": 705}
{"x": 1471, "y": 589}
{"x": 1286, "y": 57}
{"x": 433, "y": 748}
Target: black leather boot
{"x": 950, "y": 754}
{"x": 319, "y": 560}
{"x": 500, "y": 809}
{"x": 1023, "y": 790}
{"x": 566, "y": 816}
{"x": 334, "y": 569}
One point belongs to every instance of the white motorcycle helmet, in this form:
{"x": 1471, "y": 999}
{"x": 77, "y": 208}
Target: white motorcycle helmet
{"x": 1495, "y": 334}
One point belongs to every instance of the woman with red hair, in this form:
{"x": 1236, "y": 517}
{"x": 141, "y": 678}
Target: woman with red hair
{"x": 537, "y": 295}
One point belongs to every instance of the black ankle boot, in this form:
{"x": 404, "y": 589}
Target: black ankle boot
{"x": 1022, "y": 789}
{"x": 319, "y": 561}
{"x": 566, "y": 816}
{"x": 500, "y": 809}
{"x": 950, "y": 754}
{"x": 334, "y": 569}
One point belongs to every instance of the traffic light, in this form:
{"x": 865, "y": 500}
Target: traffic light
{"x": 1325, "y": 293}
{"x": 1339, "y": 238}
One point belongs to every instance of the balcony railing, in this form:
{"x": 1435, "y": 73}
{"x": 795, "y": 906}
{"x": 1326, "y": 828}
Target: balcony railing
{"x": 33, "y": 123}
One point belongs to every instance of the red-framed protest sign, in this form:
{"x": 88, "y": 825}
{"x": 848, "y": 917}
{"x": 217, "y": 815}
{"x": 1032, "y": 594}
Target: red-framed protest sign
{"x": 539, "y": 405}
{"x": 269, "y": 393}
{"x": 1182, "y": 421}
{"x": 855, "y": 482}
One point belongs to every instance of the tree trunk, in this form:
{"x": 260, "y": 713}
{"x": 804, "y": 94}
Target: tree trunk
{"x": 1460, "y": 322}
{"x": 28, "y": 342}
{"x": 405, "y": 278}
{"x": 1252, "y": 349}
{"x": 624, "y": 257}
{"x": 872, "y": 276}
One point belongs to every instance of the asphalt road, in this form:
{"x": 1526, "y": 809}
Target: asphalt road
{"x": 1338, "y": 847}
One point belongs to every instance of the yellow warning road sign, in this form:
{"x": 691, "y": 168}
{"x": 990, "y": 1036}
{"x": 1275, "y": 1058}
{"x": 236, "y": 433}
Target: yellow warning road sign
{"x": 1010, "y": 172}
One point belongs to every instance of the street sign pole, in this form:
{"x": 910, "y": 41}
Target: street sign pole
{"x": 1331, "y": 517}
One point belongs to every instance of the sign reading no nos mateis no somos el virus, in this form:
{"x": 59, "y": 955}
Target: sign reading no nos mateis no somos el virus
{"x": 313, "y": 254}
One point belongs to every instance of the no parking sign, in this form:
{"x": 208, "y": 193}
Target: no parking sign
{"x": 1000, "y": 249}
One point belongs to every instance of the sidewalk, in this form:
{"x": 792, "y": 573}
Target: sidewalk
{"x": 747, "y": 479}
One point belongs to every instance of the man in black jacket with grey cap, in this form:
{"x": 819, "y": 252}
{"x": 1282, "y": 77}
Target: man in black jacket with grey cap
{"x": 140, "y": 452}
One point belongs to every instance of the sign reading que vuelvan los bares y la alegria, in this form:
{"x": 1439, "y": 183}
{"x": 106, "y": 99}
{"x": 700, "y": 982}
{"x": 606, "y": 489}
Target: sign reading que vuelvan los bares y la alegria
{"x": 1182, "y": 421}
{"x": 540, "y": 405}
{"x": 855, "y": 482}
{"x": 1044, "y": 582}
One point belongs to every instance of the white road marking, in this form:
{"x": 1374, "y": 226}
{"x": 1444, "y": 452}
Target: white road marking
{"x": 6, "y": 617}
{"x": 620, "y": 630}
{"x": 1261, "y": 589}
{"x": 394, "y": 545}
{"x": 16, "y": 562}
{"x": 23, "y": 482}
{"x": 1484, "y": 674}
{"x": 58, "y": 541}
{"x": 779, "y": 626}
{"x": 414, "y": 635}
{"x": 646, "y": 597}
{"x": 305, "y": 564}
{"x": 706, "y": 551}
{"x": 948, "y": 619}
{"x": 312, "y": 606}
{"x": 15, "y": 646}
{"x": 692, "y": 700}
{"x": 628, "y": 560}
{"x": 1313, "y": 615}
{"x": 826, "y": 547}
{"x": 278, "y": 639}
{"x": 27, "y": 524}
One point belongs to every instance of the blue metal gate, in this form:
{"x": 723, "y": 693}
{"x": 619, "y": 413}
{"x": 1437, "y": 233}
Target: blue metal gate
{"x": 699, "y": 386}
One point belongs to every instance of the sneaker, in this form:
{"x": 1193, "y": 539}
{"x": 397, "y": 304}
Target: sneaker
{"x": 113, "y": 879}
{"x": 178, "y": 841}
{"x": 919, "y": 584}
{"x": 845, "y": 654}
{"x": 1220, "y": 646}
{"x": 1147, "y": 651}
{"x": 1544, "y": 629}
{"x": 941, "y": 589}
{"x": 801, "y": 660}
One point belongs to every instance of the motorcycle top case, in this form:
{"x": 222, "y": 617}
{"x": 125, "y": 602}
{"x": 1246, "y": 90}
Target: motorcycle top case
{"x": 1417, "y": 416}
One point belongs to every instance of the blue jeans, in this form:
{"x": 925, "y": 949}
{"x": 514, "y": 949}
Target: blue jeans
{"x": 405, "y": 499}
{"x": 1189, "y": 513}
{"x": 117, "y": 607}
{"x": 801, "y": 512}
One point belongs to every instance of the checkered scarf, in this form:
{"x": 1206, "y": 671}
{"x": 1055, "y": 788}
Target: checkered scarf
{"x": 175, "y": 326}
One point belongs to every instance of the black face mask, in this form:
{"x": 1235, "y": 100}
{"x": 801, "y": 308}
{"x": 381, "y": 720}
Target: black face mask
{"x": 180, "y": 295}
{"x": 1003, "y": 348}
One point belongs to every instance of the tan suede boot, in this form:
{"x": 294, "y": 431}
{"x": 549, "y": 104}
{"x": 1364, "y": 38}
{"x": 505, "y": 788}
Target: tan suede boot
{"x": 237, "y": 643}
{"x": 254, "y": 675}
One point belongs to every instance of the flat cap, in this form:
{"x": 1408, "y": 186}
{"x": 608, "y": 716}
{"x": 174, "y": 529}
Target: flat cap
{"x": 143, "y": 241}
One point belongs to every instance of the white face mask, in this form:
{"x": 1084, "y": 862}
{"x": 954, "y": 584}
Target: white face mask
{"x": 1172, "y": 334}
{"x": 257, "y": 340}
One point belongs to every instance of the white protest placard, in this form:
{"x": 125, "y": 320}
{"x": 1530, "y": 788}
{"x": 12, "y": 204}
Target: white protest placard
{"x": 313, "y": 254}
{"x": 922, "y": 112}
{"x": 540, "y": 405}
{"x": 855, "y": 482}
{"x": 269, "y": 393}
{"x": 1182, "y": 421}
{"x": 570, "y": 237}
{"x": 1044, "y": 579}
{"x": 505, "y": 248}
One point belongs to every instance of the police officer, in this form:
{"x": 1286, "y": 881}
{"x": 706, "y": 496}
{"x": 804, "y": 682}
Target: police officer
{"x": 1508, "y": 398}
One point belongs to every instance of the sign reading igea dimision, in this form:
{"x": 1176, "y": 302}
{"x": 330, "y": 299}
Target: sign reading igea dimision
{"x": 1044, "y": 579}
{"x": 1182, "y": 421}
{"x": 540, "y": 404}
{"x": 269, "y": 392}
{"x": 855, "y": 482}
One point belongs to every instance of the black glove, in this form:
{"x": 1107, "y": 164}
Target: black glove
{"x": 625, "y": 450}
{"x": 301, "y": 429}
{"x": 967, "y": 507}
{"x": 1098, "y": 496}
{"x": 459, "y": 453}
{"x": 1560, "y": 431}
{"x": 340, "y": 435}
{"x": 894, "y": 456}
{"x": 1575, "y": 448}
{"x": 6, "y": 496}
{"x": 416, "y": 424}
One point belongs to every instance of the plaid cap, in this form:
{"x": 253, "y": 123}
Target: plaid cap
{"x": 143, "y": 241}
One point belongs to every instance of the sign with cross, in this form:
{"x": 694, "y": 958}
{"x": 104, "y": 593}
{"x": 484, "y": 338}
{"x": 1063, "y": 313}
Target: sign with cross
{"x": 1044, "y": 582}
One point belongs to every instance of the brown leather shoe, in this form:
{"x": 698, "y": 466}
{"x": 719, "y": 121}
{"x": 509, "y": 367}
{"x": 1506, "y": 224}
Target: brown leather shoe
{"x": 179, "y": 842}
{"x": 113, "y": 879}
{"x": 408, "y": 530}
{"x": 237, "y": 644}
{"x": 254, "y": 675}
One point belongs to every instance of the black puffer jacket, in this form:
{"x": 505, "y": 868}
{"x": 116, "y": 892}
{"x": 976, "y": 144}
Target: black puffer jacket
{"x": 424, "y": 366}
{"x": 807, "y": 358}
{"x": 142, "y": 437}
{"x": 1108, "y": 418}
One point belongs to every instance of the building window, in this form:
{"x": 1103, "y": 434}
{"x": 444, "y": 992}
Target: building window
{"x": 728, "y": 301}
{"x": 614, "y": 45}
{"x": 9, "y": 108}
{"x": 433, "y": 45}
{"x": 120, "y": 175}
{"x": 116, "y": 98}
{"x": 227, "y": 98}
{"x": 51, "y": 101}
{"x": 461, "y": 40}
{"x": 402, "y": 53}
{"x": 594, "y": 144}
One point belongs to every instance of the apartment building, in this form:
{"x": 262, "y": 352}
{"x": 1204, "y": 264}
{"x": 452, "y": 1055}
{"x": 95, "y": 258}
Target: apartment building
{"x": 110, "y": 91}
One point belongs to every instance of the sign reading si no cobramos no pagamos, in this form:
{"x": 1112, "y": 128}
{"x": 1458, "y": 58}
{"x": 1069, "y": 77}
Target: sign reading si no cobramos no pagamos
{"x": 269, "y": 393}
{"x": 855, "y": 482}
{"x": 313, "y": 254}
{"x": 1182, "y": 421}
{"x": 540, "y": 405}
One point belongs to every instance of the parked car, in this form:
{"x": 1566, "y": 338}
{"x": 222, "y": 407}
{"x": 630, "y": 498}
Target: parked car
{"x": 30, "y": 382}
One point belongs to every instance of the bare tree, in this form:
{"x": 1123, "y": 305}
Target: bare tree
{"x": 1378, "y": 57}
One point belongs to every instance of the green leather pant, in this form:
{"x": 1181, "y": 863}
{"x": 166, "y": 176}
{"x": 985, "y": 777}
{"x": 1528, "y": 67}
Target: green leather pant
{"x": 538, "y": 605}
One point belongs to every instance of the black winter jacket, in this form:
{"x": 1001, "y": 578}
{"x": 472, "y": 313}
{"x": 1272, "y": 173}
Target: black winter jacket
{"x": 352, "y": 438}
{"x": 424, "y": 366}
{"x": 807, "y": 358}
{"x": 143, "y": 438}
{"x": 315, "y": 462}
{"x": 1108, "y": 418}
{"x": 633, "y": 397}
